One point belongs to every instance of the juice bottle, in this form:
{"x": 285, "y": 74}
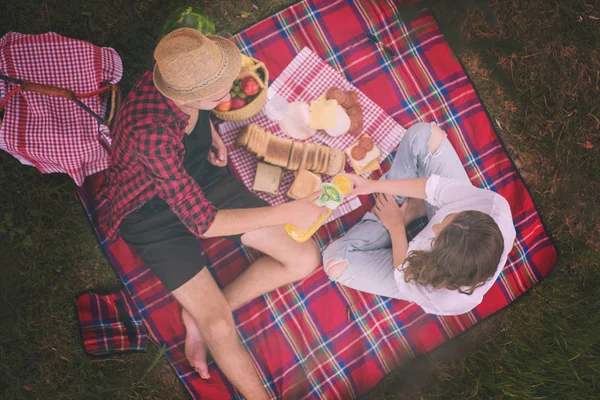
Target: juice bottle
{"x": 332, "y": 197}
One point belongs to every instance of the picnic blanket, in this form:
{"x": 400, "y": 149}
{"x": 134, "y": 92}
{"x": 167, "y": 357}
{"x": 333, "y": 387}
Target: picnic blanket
{"x": 317, "y": 339}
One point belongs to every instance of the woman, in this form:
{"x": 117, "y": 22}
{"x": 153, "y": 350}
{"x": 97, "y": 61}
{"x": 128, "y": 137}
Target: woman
{"x": 448, "y": 267}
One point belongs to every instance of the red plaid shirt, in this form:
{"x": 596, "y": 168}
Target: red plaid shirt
{"x": 147, "y": 160}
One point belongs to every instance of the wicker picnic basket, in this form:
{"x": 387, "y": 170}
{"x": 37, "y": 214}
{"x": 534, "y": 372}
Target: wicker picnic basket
{"x": 252, "y": 108}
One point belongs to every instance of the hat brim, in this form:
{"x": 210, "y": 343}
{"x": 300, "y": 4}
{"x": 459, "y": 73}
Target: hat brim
{"x": 231, "y": 72}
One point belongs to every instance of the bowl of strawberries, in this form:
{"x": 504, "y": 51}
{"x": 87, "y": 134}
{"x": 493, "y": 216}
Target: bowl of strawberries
{"x": 248, "y": 93}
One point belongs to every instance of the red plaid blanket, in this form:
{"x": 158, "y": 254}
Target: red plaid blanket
{"x": 316, "y": 339}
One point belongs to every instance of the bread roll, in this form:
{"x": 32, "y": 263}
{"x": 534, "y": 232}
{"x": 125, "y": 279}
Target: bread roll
{"x": 305, "y": 184}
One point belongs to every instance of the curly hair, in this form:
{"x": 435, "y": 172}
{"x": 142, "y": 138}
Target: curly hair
{"x": 465, "y": 254}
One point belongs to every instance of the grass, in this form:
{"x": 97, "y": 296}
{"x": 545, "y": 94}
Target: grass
{"x": 536, "y": 65}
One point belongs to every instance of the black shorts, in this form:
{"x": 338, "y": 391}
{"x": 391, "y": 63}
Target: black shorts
{"x": 166, "y": 245}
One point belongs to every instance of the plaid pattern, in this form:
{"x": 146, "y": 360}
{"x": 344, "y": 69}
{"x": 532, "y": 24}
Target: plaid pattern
{"x": 53, "y": 134}
{"x": 110, "y": 324}
{"x": 317, "y": 339}
{"x": 147, "y": 155}
{"x": 304, "y": 79}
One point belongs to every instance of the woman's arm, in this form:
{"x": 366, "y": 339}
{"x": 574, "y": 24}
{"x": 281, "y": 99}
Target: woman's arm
{"x": 401, "y": 187}
{"x": 392, "y": 217}
{"x": 399, "y": 245}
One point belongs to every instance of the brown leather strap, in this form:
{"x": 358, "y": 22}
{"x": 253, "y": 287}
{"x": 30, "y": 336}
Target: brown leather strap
{"x": 46, "y": 89}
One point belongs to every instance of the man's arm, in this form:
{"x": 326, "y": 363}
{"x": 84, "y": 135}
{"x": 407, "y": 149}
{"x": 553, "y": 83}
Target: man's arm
{"x": 161, "y": 153}
{"x": 301, "y": 213}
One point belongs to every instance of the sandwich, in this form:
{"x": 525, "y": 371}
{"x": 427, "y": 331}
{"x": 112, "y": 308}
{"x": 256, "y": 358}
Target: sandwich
{"x": 267, "y": 178}
{"x": 364, "y": 155}
{"x": 305, "y": 184}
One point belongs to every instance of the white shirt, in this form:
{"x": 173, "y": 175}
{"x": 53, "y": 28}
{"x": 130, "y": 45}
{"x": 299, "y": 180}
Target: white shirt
{"x": 453, "y": 196}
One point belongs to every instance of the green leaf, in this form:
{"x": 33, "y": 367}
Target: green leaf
{"x": 28, "y": 241}
{"x": 8, "y": 220}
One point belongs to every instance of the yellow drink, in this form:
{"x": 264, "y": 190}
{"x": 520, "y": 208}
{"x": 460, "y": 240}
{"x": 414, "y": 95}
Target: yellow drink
{"x": 343, "y": 183}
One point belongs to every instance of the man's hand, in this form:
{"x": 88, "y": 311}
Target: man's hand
{"x": 218, "y": 152}
{"x": 388, "y": 212}
{"x": 303, "y": 213}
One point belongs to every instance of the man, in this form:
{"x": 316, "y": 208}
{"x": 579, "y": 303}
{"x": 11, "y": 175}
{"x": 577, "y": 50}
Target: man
{"x": 168, "y": 186}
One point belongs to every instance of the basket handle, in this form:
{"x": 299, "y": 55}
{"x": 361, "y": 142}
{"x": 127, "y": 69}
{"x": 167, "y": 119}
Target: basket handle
{"x": 252, "y": 71}
{"x": 48, "y": 90}
{"x": 28, "y": 86}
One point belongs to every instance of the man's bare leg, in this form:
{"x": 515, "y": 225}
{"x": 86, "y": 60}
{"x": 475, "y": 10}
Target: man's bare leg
{"x": 203, "y": 300}
{"x": 285, "y": 261}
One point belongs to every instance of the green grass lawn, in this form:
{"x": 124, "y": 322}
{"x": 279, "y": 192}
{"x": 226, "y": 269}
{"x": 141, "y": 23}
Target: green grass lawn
{"x": 536, "y": 65}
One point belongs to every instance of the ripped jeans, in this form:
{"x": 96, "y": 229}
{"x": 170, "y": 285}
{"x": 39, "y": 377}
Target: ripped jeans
{"x": 367, "y": 247}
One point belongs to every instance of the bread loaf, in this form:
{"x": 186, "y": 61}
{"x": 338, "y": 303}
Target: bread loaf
{"x": 290, "y": 155}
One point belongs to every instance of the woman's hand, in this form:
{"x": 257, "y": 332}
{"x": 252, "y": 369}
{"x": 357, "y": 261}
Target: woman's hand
{"x": 218, "y": 152}
{"x": 361, "y": 185}
{"x": 388, "y": 211}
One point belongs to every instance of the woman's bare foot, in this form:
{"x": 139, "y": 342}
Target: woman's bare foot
{"x": 415, "y": 209}
{"x": 195, "y": 347}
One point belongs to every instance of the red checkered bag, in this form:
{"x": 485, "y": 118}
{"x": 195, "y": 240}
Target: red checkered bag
{"x": 54, "y": 115}
{"x": 110, "y": 324}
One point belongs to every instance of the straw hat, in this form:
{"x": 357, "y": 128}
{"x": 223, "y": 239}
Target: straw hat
{"x": 191, "y": 66}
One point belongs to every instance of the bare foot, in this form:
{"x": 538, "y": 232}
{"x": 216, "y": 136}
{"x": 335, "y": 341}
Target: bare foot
{"x": 415, "y": 209}
{"x": 195, "y": 347}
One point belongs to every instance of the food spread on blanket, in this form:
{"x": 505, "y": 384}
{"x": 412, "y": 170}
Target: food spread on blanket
{"x": 331, "y": 198}
{"x": 337, "y": 113}
{"x": 289, "y": 154}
